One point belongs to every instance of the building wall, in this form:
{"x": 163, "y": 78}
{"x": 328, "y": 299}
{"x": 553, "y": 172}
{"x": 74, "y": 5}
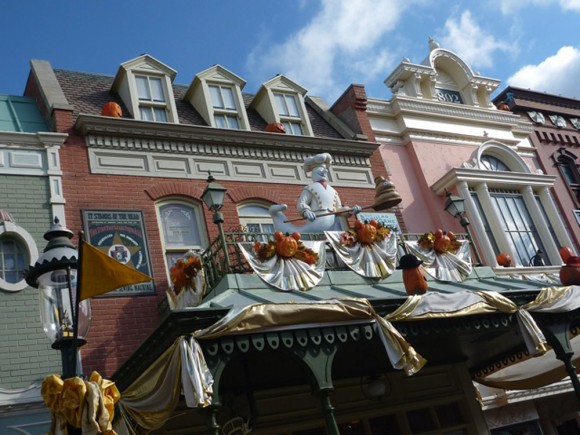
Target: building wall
{"x": 25, "y": 352}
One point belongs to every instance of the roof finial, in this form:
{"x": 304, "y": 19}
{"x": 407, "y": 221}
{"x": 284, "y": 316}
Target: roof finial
{"x": 433, "y": 44}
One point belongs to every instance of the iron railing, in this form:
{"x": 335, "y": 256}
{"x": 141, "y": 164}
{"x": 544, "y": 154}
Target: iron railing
{"x": 216, "y": 264}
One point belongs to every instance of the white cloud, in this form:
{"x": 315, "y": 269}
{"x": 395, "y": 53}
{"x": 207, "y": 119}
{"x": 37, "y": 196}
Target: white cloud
{"x": 471, "y": 42}
{"x": 508, "y": 7}
{"x": 570, "y": 5}
{"x": 557, "y": 74}
{"x": 332, "y": 44}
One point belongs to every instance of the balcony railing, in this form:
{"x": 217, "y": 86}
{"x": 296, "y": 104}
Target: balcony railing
{"x": 216, "y": 263}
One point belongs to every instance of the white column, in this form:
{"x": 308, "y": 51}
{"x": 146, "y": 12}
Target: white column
{"x": 541, "y": 225}
{"x": 555, "y": 219}
{"x": 492, "y": 214}
{"x": 477, "y": 227}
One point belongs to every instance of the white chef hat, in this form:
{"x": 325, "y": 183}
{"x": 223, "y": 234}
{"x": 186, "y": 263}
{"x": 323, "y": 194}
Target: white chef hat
{"x": 323, "y": 159}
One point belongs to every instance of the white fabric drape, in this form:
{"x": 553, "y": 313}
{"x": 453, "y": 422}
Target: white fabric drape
{"x": 444, "y": 266}
{"x": 377, "y": 260}
{"x": 288, "y": 274}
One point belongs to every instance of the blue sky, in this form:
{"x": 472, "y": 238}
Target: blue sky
{"x": 323, "y": 45}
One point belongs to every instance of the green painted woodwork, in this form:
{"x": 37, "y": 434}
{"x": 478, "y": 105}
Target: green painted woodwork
{"x": 20, "y": 114}
{"x": 25, "y": 352}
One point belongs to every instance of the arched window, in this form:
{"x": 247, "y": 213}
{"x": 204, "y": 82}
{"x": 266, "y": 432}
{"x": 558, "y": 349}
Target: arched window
{"x": 566, "y": 163}
{"x": 256, "y": 219}
{"x": 492, "y": 163}
{"x": 181, "y": 228}
{"x": 17, "y": 252}
{"x": 509, "y": 206}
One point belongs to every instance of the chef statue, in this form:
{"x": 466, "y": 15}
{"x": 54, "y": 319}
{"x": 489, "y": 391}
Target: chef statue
{"x": 318, "y": 202}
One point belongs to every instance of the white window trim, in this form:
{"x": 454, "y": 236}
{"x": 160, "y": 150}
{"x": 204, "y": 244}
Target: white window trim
{"x": 125, "y": 84}
{"x": 10, "y": 229}
{"x": 199, "y": 95}
{"x": 203, "y": 236}
{"x": 168, "y": 105}
{"x": 265, "y": 102}
{"x": 245, "y": 220}
{"x": 520, "y": 179}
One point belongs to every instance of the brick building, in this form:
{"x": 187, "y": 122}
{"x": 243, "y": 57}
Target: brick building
{"x": 555, "y": 137}
{"x": 133, "y": 181}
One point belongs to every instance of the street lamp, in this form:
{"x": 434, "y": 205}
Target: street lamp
{"x": 213, "y": 196}
{"x": 55, "y": 275}
{"x": 455, "y": 206}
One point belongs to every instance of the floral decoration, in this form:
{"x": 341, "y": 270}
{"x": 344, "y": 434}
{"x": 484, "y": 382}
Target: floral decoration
{"x": 285, "y": 246}
{"x": 184, "y": 271}
{"x": 360, "y": 233}
{"x": 441, "y": 241}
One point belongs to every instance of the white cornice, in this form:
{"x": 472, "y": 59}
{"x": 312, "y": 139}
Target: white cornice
{"x": 491, "y": 178}
{"x": 177, "y": 138}
{"x": 36, "y": 140}
{"x": 404, "y": 106}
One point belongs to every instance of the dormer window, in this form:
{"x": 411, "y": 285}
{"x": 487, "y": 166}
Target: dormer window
{"x": 216, "y": 94}
{"x": 558, "y": 121}
{"x": 289, "y": 113}
{"x": 144, "y": 85}
{"x": 152, "y": 101}
{"x": 225, "y": 111}
{"x": 280, "y": 100}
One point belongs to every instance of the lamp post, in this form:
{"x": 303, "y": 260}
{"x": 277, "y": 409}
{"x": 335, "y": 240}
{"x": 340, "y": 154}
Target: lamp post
{"x": 455, "y": 206}
{"x": 54, "y": 274}
{"x": 213, "y": 196}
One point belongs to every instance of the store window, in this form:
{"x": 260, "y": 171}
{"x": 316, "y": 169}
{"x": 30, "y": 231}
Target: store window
{"x": 510, "y": 207}
{"x": 182, "y": 229}
{"x": 255, "y": 219}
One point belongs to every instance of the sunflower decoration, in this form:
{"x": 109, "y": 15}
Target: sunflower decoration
{"x": 441, "y": 241}
{"x": 285, "y": 246}
{"x": 184, "y": 271}
{"x": 365, "y": 233}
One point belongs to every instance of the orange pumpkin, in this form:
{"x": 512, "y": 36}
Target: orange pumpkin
{"x": 565, "y": 253}
{"x": 442, "y": 243}
{"x": 504, "y": 259}
{"x": 286, "y": 245}
{"x": 112, "y": 109}
{"x": 414, "y": 278}
{"x": 366, "y": 233}
{"x": 276, "y": 127}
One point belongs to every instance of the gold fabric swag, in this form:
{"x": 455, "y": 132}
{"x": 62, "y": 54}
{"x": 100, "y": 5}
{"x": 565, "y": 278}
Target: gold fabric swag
{"x": 151, "y": 399}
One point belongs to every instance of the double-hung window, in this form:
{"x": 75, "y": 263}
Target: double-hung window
{"x": 289, "y": 113}
{"x": 256, "y": 220}
{"x": 225, "y": 112}
{"x": 152, "y": 99}
{"x": 517, "y": 224}
{"x": 182, "y": 230}
{"x": 511, "y": 209}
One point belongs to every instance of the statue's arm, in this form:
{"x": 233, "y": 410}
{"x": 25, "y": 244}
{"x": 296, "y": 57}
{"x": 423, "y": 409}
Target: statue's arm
{"x": 303, "y": 205}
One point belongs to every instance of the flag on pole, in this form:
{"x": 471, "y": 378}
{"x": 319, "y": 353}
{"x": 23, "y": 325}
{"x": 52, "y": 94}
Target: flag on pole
{"x": 99, "y": 273}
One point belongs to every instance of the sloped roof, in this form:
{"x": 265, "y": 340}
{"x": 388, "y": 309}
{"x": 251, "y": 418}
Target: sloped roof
{"x": 88, "y": 92}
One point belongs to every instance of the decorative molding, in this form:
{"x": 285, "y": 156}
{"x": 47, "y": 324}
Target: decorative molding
{"x": 272, "y": 167}
{"x": 408, "y": 104}
{"x": 121, "y": 133}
